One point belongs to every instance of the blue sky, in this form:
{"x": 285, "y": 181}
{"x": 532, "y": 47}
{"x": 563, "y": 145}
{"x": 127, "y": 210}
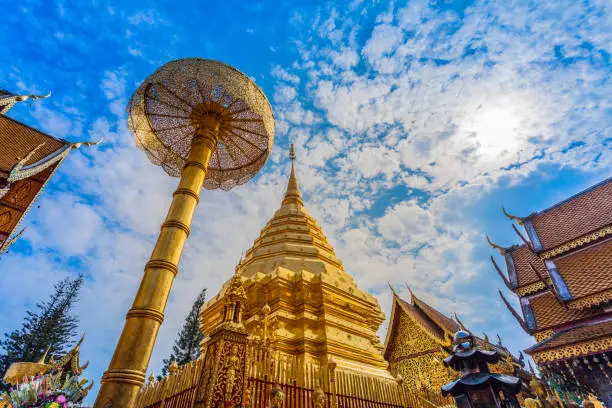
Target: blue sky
{"x": 414, "y": 122}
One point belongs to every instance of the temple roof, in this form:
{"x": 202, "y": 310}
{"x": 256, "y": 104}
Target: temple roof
{"x": 549, "y": 313}
{"x": 439, "y": 327}
{"x": 18, "y": 140}
{"x": 587, "y": 332}
{"x": 28, "y": 158}
{"x": 519, "y": 269}
{"x": 585, "y": 212}
{"x": 588, "y": 272}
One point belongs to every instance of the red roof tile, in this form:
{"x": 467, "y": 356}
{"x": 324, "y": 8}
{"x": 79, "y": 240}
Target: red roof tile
{"x": 17, "y": 140}
{"x": 522, "y": 257}
{"x": 588, "y": 271}
{"x": 586, "y": 212}
{"x": 549, "y": 313}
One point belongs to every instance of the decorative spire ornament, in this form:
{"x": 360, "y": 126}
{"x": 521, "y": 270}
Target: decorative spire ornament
{"x": 210, "y": 125}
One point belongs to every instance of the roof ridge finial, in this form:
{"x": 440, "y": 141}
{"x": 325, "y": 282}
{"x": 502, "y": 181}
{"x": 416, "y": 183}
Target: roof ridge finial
{"x": 412, "y": 296}
{"x": 501, "y": 249}
{"x": 391, "y": 287}
{"x": 292, "y": 195}
{"x": 9, "y": 99}
{"x": 519, "y": 220}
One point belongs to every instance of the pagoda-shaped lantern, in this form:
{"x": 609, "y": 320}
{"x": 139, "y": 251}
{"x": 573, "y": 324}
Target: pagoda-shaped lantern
{"x": 210, "y": 125}
{"x": 478, "y": 387}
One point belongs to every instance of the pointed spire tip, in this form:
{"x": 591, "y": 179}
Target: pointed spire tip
{"x": 292, "y": 195}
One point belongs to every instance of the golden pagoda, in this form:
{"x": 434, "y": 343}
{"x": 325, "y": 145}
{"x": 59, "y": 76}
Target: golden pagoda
{"x": 299, "y": 297}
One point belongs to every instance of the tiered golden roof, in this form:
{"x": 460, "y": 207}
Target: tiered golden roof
{"x": 321, "y": 313}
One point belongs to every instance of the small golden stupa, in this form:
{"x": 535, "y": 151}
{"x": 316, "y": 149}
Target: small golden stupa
{"x": 300, "y": 298}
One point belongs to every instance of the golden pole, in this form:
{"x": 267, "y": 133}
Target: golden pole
{"x": 126, "y": 372}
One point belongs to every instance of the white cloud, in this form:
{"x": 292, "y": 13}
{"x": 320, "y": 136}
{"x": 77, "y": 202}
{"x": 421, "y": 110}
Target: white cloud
{"x": 407, "y": 224}
{"x": 148, "y": 17}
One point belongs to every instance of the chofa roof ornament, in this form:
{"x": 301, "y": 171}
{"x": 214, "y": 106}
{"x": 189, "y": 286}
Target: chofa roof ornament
{"x": 9, "y": 99}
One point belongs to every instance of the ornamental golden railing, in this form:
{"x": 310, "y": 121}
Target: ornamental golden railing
{"x": 176, "y": 390}
{"x": 298, "y": 380}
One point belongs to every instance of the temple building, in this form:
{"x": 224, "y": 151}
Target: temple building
{"x": 562, "y": 274}
{"x": 28, "y": 159}
{"x": 419, "y": 338}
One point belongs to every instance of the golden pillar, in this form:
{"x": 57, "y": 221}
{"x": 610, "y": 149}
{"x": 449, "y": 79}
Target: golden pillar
{"x": 210, "y": 124}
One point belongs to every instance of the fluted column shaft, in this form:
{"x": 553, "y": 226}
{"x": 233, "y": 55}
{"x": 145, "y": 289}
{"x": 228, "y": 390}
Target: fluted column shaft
{"x": 126, "y": 372}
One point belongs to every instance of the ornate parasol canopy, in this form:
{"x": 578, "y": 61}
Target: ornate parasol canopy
{"x": 165, "y": 110}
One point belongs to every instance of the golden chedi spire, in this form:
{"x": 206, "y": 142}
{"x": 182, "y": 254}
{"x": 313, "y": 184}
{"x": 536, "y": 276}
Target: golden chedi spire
{"x": 292, "y": 235}
{"x": 321, "y": 312}
{"x": 293, "y": 195}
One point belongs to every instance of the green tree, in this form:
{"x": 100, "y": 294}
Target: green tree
{"x": 187, "y": 345}
{"x": 51, "y": 326}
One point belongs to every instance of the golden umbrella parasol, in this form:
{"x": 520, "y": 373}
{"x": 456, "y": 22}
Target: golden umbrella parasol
{"x": 211, "y": 125}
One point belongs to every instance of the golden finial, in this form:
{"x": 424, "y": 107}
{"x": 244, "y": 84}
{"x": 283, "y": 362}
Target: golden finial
{"x": 518, "y": 220}
{"x": 173, "y": 367}
{"x": 292, "y": 195}
{"x": 292, "y": 153}
{"x": 501, "y": 249}
{"x": 151, "y": 377}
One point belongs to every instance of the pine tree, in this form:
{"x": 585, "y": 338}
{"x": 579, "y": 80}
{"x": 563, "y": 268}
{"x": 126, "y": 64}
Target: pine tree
{"x": 51, "y": 326}
{"x": 187, "y": 346}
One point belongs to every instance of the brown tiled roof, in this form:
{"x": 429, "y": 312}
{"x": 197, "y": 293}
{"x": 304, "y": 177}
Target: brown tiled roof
{"x": 549, "y": 313}
{"x": 586, "y": 212}
{"x": 17, "y": 140}
{"x": 577, "y": 334}
{"x": 522, "y": 257}
{"x": 442, "y": 321}
{"x": 588, "y": 271}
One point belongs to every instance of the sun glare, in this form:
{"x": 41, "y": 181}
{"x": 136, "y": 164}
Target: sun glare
{"x": 496, "y": 130}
